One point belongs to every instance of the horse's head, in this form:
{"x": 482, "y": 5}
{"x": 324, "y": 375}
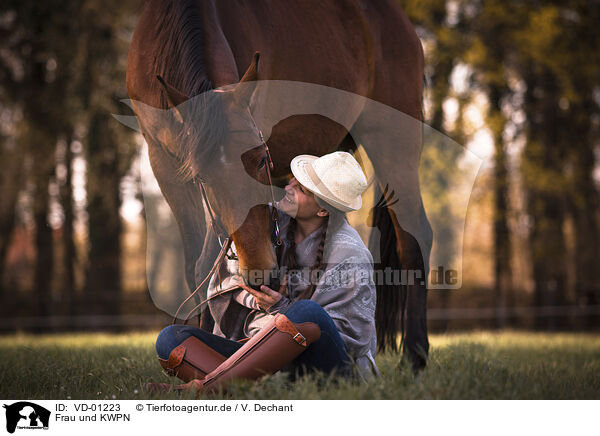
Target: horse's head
{"x": 220, "y": 146}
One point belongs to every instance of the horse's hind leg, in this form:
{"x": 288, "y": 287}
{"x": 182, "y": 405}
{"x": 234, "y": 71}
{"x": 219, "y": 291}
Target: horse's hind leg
{"x": 394, "y": 152}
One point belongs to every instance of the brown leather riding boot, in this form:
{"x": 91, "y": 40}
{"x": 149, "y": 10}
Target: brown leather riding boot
{"x": 274, "y": 347}
{"x": 190, "y": 360}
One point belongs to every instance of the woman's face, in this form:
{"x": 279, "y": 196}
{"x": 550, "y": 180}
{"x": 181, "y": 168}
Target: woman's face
{"x": 299, "y": 202}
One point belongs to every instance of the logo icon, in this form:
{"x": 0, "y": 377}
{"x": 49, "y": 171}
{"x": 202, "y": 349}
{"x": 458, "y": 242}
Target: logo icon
{"x": 26, "y": 415}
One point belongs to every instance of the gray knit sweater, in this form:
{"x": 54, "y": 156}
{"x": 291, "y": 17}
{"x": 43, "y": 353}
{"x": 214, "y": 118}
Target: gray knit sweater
{"x": 345, "y": 291}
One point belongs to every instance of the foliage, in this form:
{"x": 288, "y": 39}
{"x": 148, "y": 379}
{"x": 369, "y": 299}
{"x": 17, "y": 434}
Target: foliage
{"x": 62, "y": 66}
{"x": 538, "y": 67}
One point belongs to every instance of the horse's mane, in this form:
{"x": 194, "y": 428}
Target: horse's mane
{"x": 180, "y": 53}
{"x": 180, "y": 61}
{"x": 204, "y": 129}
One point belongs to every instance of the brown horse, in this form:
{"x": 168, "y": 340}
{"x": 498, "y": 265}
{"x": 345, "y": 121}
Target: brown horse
{"x": 183, "y": 48}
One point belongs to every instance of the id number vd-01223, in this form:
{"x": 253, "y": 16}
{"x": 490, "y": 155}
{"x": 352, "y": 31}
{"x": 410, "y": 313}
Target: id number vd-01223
{"x": 94, "y": 407}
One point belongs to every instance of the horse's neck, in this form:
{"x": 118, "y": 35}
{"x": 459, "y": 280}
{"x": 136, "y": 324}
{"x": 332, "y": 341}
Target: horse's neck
{"x": 189, "y": 44}
{"x": 220, "y": 63}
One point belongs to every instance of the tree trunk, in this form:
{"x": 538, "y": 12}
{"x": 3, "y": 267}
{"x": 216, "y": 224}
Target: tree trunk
{"x": 44, "y": 261}
{"x": 11, "y": 181}
{"x": 41, "y": 140}
{"x": 502, "y": 269}
{"x": 69, "y": 255}
{"x": 584, "y": 208}
{"x": 543, "y": 162}
{"x": 103, "y": 284}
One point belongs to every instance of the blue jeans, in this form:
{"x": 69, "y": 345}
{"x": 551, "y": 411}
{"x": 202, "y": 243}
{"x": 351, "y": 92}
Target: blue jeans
{"x": 327, "y": 354}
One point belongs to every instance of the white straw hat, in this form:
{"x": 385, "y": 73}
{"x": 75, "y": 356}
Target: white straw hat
{"x": 336, "y": 178}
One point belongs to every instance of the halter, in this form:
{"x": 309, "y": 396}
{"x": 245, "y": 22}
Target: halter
{"x": 269, "y": 166}
{"x": 223, "y": 238}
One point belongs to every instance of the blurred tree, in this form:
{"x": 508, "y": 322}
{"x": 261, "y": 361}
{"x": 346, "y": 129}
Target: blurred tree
{"x": 552, "y": 50}
{"x": 68, "y": 64}
{"x": 69, "y": 257}
{"x": 11, "y": 180}
{"x": 542, "y": 164}
{"x": 576, "y": 65}
{"x": 441, "y": 29}
{"x": 560, "y": 65}
{"x": 63, "y": 67}
{"x": 109, "y": 148}
{"x": 11, "y": 155}
{"x": 490, "y": 25}
{"x": 29, "y": 62}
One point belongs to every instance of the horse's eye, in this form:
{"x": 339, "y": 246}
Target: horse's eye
{"x": 261, "y": 164}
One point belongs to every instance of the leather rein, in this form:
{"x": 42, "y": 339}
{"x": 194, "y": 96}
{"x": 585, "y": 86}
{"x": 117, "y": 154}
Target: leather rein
{"x": 223, "y": 238}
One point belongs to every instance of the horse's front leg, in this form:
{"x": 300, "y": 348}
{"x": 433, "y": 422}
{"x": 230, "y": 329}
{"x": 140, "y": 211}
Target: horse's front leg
{"x": 185, "y": 201}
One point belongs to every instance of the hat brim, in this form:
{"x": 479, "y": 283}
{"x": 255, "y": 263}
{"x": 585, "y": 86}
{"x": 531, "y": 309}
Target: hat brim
{"x": 298, "y": 167}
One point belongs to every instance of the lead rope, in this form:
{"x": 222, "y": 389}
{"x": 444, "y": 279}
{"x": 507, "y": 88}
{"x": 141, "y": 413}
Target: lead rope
{"x": 217, "y": 263}
{"x": 242, "y": 285}
{"x": 221, "y": 232}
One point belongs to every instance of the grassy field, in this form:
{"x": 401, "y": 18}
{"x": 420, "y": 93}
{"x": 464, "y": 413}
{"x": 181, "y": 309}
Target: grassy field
{"x": 510, "y": 365}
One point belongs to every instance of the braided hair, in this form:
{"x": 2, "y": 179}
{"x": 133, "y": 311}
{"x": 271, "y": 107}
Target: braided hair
{"x": 317, "y": 268}
{"x": 290, "y": 261}
{"x": 333, "y": 220}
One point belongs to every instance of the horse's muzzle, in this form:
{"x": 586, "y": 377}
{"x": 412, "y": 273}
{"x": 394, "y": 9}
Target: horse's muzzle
{"x": 273, "y": 281}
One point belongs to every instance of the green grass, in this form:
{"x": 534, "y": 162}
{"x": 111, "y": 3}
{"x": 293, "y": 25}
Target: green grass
{"x": 509, "y": 365}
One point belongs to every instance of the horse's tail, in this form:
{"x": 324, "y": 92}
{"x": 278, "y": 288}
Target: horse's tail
{"x": 390, "y": 312}
{"x": 391, "y": 298}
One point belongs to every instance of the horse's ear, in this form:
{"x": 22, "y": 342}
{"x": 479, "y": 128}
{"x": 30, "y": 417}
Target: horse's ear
{"x": 243, "y": 91}
{"x": 174, "y": 97}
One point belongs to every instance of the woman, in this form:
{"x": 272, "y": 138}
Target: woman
{"x": 321, "y": 318}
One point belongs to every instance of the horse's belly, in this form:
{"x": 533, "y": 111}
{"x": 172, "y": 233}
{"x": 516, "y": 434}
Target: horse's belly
{"x": 322, "y": 42}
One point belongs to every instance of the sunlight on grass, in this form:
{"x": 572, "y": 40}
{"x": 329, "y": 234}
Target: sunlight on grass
{"x": 479, "y": 365}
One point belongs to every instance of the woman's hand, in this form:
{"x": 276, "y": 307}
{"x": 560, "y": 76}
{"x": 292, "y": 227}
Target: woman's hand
{"x": 266, "y": 297}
